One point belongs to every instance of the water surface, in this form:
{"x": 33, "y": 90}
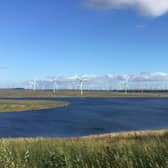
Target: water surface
{"x": 86, "y": 116}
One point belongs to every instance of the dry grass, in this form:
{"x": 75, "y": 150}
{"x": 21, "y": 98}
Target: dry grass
{"x": 125, "y": 150}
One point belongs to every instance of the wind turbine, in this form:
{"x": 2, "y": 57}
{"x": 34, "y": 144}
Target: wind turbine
{"x": 82, "y": 79}
{"x": 53, "y": 82}
{"x": 34, "y": 84}
{"x": 54, "y": 85}
{"x": 79, "y": 80}
{"x": 81, "y": 86}
{"x": 126, "y": 84}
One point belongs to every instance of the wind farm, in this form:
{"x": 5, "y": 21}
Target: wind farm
{"x": 83, "y": 110}
{"x": 83, "y": 84}
{"x": 112, "y": 85}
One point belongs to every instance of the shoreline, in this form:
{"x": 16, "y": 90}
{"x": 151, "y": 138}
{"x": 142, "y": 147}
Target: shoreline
{"x": 122, "y": 135}
{"x": 126, "y": 134}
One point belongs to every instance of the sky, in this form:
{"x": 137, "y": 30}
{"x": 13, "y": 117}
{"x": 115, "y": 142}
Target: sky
{"x": 40, "y": 38}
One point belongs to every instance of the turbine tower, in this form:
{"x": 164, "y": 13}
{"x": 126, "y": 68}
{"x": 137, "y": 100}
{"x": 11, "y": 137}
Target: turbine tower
{"x": 126, "y": 84}
{"x": 82, "y": 79}
{"x": 81, "y": 86}
{"x": 54, "y": 86}
{"x": 34, "y": 84}
{"x": 53, "y": 82}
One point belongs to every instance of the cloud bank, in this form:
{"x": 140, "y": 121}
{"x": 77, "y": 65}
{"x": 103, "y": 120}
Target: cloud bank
{"x": 154, "y": 8}
{"x": 155, "y": 80}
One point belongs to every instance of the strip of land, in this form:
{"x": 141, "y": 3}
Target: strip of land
{"x": 16, "y": 93}
{"x": 29, "y": 105}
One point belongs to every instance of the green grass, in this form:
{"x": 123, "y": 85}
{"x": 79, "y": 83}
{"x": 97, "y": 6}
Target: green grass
{"x": 132, "y": 150}
{"x": 26, "y": 105}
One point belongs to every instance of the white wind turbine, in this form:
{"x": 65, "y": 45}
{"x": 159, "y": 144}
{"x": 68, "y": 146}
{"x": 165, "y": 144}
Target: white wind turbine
{"x": 54, "y": 85}
{"x": 81, "y": 86}
{"x": 126, "y": 84}
{"x": 53, "y": 81}
{"x": 34, "y": 85}
{"x": 82, "y": 80}
{"x": 30, "y": 83}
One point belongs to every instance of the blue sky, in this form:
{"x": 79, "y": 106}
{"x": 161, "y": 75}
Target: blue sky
{"x": 40, "y": 38}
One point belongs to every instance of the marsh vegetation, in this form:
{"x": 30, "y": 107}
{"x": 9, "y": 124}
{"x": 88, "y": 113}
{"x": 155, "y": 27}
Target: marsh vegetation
{"x": 135, "y": 150}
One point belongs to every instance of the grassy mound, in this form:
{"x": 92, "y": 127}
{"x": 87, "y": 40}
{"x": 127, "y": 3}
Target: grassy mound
{"x": 135, "y": 150}
{"x": 25, "y": 105}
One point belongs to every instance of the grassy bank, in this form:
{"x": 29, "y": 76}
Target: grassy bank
{"x": 14, "y": 93}
{"x": 129, "y": 150}
{"x": 26, "y": 105}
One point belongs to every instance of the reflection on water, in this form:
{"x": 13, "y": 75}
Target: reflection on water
{"x": 87, "y": 116}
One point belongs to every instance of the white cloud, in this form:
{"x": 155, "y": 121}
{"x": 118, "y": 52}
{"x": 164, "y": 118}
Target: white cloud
{"x": 152, "y": 8}
{"x": 155, "y": 80}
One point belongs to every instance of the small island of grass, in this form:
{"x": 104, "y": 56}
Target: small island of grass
{"x": 29, "y": 105}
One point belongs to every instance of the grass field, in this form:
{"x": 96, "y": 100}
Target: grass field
{"x": 25, "y": 105}
{"x": 128, "y": 150}
{"x": 14, "y": 93}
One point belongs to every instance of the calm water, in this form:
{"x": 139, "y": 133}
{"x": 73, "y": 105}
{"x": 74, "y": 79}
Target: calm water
{"x": 87, "y": 116}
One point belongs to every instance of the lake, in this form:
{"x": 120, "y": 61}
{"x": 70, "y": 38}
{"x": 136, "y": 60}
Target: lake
{"x": 87, "y": 116}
